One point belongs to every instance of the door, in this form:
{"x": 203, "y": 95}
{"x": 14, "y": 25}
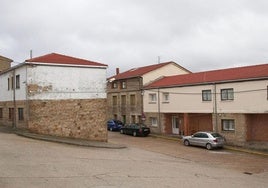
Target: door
{"x": 175, "y": 125}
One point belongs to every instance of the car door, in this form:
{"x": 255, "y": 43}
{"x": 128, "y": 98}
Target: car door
{"x": 195, "y": 140}
{"x": 204, "y": 139}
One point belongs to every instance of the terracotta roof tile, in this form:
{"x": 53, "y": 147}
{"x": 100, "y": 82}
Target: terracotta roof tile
{"x": 55, "y": 58}
{"x": 140, "y": 71}
{"x": 222, "y": 75}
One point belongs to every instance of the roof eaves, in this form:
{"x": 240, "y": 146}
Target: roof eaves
{"x": 206, "y": 83}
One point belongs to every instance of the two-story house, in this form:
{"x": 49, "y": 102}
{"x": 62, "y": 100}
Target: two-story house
{"x": 231, "y": 101}
{"x": 125, "y": 90}
{"x": 56, "y": 94}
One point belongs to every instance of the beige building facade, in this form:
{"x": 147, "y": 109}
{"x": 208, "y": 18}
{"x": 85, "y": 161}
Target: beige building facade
{"x": 125, "y": 90}
{"x": 236, "y": 108}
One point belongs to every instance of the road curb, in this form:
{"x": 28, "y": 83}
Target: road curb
{"x": 71, "y": 141}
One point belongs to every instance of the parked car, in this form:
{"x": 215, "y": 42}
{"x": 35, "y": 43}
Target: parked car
{"x": 135, "y": 129}
{"x": 114, "y": 125}
{"x": 209, "y": 140}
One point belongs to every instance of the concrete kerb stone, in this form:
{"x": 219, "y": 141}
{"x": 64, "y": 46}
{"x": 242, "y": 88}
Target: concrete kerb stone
{"x": 239, "y": 149}
{"x": 71, "y": 141}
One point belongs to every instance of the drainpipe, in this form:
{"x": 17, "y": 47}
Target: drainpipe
{"x": 215, "y": 128}
{"x": 26, "y": 96}
{"x": 159, "y": 116}
{"x": 14, "y": 100}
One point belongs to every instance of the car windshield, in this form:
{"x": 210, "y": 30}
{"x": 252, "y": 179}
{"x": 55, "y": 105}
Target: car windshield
{"x": 215, "y": 135}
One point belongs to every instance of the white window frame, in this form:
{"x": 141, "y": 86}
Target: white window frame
{"x": 228, "y": 124}
{"x": 152, "y": 98}
{"x": 153, "y": 121}
{"x": 165, "y": 97}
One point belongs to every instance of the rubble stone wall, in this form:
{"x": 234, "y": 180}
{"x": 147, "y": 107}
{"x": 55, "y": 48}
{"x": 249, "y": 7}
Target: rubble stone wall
{"x": 82, "y": 118}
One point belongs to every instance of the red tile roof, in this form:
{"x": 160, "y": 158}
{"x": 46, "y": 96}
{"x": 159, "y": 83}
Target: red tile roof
{"x": 136, "y": 72}
{"x": 214, "y": 76}
{"x": 55, "y": 58}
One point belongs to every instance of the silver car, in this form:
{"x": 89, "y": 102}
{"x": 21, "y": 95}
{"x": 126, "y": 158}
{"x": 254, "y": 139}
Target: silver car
{"x": 209, "y": 140}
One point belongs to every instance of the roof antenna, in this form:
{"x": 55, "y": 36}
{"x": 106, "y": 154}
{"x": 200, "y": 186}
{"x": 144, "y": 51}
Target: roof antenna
{"x": 31, "y": 54}
{"x": 158, "y": 59}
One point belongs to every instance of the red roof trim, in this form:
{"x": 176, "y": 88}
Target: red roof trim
{"x": 55, "y": 58}
{"x": 215, "y": 76}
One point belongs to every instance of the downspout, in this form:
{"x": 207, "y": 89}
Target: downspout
{"x": 26, "y": 96}
{"x": 14, "y": 100}
{"x": 159, "y": 115}
{"x": 215, "y": 128}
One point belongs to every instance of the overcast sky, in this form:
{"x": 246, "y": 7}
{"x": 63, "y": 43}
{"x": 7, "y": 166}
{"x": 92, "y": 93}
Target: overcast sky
{"x": 197, "y": 34}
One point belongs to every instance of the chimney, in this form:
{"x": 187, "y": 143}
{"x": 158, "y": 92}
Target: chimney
{"x": 117, "y": 71}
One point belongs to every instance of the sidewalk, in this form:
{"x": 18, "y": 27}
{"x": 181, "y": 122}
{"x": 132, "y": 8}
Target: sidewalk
{"x": 72, "y": 141}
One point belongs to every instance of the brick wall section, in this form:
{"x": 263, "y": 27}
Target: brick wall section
{"x": 84, "y": 119}
{"x": 257, "y": 127}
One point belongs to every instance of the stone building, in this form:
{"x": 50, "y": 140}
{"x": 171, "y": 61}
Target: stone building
{"x": 5, "y": 63}
{"x": 57, "y": 95}
{"x": 125, "y": 90}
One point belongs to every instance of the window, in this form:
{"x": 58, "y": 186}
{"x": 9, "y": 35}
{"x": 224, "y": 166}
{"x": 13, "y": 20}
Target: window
{"x": 114, "y": 85}
{"x": 227, "y": 94}
{"x": 114, "y": 100}
{"x": 123, "y": 85}
{"x": 228, "y": 124}
{"x": 12, "y": 82}
{"x": 1, "y": 113}
{"x": 206, "y": 95}
{"x": 133, "y": 119}
{"x": 10, "y": 113}
{"x": 165, "y": 97}
{"x": 153, "y": 121}
{"x": 20, "y": 113}
{"x": 8, "y": 84}
{"x": 152, "y": 98}
{"x": 17, "y": 81}
{"x": 123, "y": 100}
{"x": 132, "y": 100}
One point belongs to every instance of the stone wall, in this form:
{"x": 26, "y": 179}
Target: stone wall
{"x": 239, "y": 135}
{"x": 84, "y": 118}
{"x": 5, "y": 63}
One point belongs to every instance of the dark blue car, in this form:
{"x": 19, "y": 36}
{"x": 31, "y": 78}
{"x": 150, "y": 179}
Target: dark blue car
{"x": 114, "y": 125}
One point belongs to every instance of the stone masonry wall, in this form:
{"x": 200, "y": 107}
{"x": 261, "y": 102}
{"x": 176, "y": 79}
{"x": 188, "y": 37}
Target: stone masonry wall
{"x": 84, "y": 118}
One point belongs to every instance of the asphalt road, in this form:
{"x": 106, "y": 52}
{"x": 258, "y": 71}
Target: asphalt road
{"x": 222, "y": 158}
{"x": 147, "y": 162}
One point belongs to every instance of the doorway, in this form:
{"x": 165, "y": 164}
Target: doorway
{"x": 175, "y": 125}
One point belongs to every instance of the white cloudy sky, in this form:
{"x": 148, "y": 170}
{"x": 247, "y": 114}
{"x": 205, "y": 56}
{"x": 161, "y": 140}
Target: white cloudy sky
{"x": 197, "y": 34}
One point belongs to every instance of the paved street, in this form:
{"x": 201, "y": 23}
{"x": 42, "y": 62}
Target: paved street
{"x": 147, "y": 162}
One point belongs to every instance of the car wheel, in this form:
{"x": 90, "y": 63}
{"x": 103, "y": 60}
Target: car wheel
{"x": 121, "y": 131}
{"x": 186, "y": 143}
{"x": 111, "y": 129}
{"x": 209, "y": 146}
{"x": 134, "y": 133}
